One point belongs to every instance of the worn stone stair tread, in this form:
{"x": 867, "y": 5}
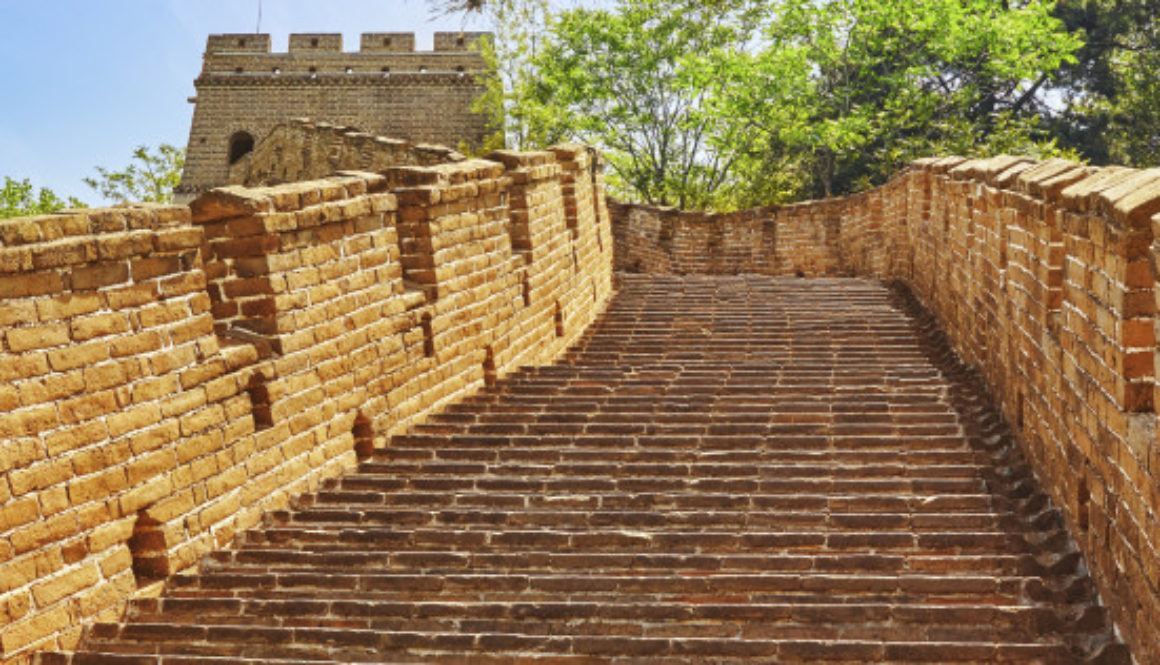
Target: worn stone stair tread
{"x": 371, "y": 644}
{"x": 348, "y": 558}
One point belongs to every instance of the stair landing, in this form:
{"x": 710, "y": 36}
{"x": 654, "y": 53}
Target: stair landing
{"x": 724, "y": 470}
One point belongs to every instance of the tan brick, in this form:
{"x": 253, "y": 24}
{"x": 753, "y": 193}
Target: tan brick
{"x": 100, "y": 275}
{"x": 65, "y": 584}
{"x": 88, "y": 406}
{"x": 30, "y": 284}
{"x": 111, "y": 534}
{"x": 67, "y": 306}
{"x": 23, "y": 633}
{"x": 133, "y": 419}
{"x": 39, "y": 337}
{"x": 38, "y": 534}
{"x": 97, "y": 486}
{"x": 78, "y": 355}
{"x": 78, "y": 436}
{"x": 99, "y": 458}
{"x": 150, "y": 465}
{"x": 86, "y": 328}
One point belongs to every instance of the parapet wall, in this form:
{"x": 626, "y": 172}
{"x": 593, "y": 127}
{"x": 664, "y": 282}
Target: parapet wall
{"x": 171, "y": 373}
{"x": 302, "y": 149}
{"x": 1044, "y": 276}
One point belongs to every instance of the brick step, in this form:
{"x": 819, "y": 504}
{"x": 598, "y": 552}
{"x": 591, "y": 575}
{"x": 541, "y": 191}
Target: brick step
{"x": 698, "y": 586}
{"x": 339, "y": 517}
{"x": 906, "y": 437}
{"x": 638, "y": 616}
{"x": 976, "y": 460}
{"x": 798, "y": 439}
{"x": 614, "y": 469}
{"x": 364, "y": 645}
{"x": 931, "y": 504}
{"x": 1055, "y": 566}
{"x": 881, "y": 621}
{"x": 769, "y": 541}
{"x": 630, "y": 483}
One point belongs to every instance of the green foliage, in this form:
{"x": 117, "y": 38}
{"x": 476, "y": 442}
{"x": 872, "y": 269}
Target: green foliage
{"x": 1111, "y": 100}
{"x": 625, "y": 80}
{"x": 728, "y": 103}
{"x": 518, "y": 27}
{"x": 150, "y": 176}
{"x": 19, "y": 198}
{"x": 856, "y": 88}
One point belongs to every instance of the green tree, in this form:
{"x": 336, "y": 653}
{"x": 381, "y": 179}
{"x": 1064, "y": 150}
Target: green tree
{"x": 19, "y": 198}
{"x": 1110, "y": 107}
{"x": 150, "y": 176}
{"x": 623, "y": 80}
{"x": 518, "y": 28}
{"x": 852, "y": 89}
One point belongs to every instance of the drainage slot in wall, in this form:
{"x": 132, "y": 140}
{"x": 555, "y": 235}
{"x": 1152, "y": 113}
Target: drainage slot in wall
{"x": 559, "y": 320}
{"x": 489, "y": 375}
{"x": 364, "y": 437}
{"x": 1082, "y": 509}
{"x": 527, "y": 289}
{"x": 428, "y": 337}
{"x": 260, "y": 401}
{"x": 147, "y": 549}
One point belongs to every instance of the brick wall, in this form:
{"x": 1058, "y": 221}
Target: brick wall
{"x": 303, "y": 149}
{"x": 171, "y": 373}
{"x": 1043, "y": 275}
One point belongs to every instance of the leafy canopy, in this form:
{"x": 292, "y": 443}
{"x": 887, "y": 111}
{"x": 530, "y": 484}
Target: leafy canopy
{"x": 150, "y": 176}
{"x": 728, "y": 103}
{"x": 19, "y": 198}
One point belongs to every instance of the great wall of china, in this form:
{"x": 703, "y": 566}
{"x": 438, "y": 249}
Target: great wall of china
{"x": 171, "y": 374}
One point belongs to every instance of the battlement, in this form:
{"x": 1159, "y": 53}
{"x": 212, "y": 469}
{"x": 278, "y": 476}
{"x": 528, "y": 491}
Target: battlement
{"x": 321, "y": 42}
{"x": 238, "y": 43}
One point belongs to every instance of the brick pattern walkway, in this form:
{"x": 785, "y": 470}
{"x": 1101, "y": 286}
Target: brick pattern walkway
{"x": 726, "y": 469}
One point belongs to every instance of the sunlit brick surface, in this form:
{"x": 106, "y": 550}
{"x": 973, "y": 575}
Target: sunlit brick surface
{"x": 725, "y": 469}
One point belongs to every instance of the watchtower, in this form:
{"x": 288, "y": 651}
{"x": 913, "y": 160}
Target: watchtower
{"x": 385, "y": 88}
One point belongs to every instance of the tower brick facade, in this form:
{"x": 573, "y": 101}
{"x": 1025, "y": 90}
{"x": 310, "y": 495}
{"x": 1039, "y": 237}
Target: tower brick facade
{"x": 386, "y": 88}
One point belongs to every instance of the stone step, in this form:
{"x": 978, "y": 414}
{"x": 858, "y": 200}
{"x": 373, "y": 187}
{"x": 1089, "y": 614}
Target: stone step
{"x": 371, "y": 645}
{"x": 880, "y": 621}
{"x": 549, "y": 484}
{"x": 795, "y": 439}
{"x": 639, "y": 540}
{"x": 1047, "y": 566}
{"x": 758, "y": 518}
{"x": 999, "y": 507}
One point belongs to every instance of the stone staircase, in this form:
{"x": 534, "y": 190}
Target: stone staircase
{"x": 726, "y": 469}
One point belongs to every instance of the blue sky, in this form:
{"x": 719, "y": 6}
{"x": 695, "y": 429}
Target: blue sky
{"x": 82, "y": 82}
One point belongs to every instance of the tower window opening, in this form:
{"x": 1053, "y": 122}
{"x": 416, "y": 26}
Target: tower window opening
{"x": 241, "y": 144}
{"x": 314, "y": 42}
